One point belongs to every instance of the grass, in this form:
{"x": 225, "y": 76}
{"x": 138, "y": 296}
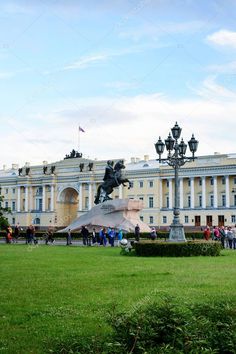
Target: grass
{"x": 47, "y": 293}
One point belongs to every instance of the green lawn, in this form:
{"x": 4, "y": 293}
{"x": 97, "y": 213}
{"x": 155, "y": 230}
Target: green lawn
{"x": 49, "y": 292}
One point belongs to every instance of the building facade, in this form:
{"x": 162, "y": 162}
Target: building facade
{"x": 55, "y": 194}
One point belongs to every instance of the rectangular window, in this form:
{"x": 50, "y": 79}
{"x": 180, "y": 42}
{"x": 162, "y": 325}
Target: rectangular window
{"x": 86, "y": 186}
{"x": 151, "y": 184}
{"x": 150, "y": 202}
{"x": 234, "y": 180}
{"x": 13, "y": 220}
{"x": 200, "y": 201}
{"x": 6, "y": 190}
{"x": 48, "y": 188}
{"x": 141, "y": 184}
{"x": 212, "y": 181}
{"x": 49, "y": 203}
{"x": 167, "y": 183}
{"x": 200, "y": 181}
{"x": 189, "y": 182}
{"x": 131, "y": 184}
{"x": 141, "y": 217}
{"x": 233, "y": 218}
{"x": 223, "y": 197}
{"x": 234, "y": 200}
{"x": 189, "y": 201}
{"x": 167, "y": 202}
{"x": 211, "y": 201}
{"x": 13, "y": 206}
{"x": 39, "y": 191}
{"x": 140, "y": 198}
{"x": 164, "y": 219}
{"x": 6, "y": 204}
{"x": 151, "y": 219}
{"x": 13, "y": 190}
{"x": 186, "y": 219}
{"x": 223, "y": 180}
{"x": 39, "y": 204}
{"x": 86, "y": 202}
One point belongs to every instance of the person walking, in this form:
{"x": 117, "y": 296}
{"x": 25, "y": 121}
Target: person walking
{"x": 102, "y": 236}
{"x": 27, "y": 235}
{"x": 119, "y": 236}
{"x": 216, "y": 233}
{"x": 94, "y": 236}
{"x": 8, "y": 234}
{"x": 230, "y": 236}
{"x": 85, "y": 235}
{"x": 234, "y": 237}
{"x": 207, "y": 233}
{"x": 153, "y": 234}
{"x": 112, "y": 236}
{"x": 16, "y": 233}
{"x": 68, "y": 238}
{"x": 137, "y": 232}
{"x": 49, "y": 236}
{"x": 222, "y": 236}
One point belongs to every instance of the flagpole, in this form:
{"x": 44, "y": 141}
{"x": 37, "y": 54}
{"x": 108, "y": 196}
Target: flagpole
{"x": 78, "y": 138}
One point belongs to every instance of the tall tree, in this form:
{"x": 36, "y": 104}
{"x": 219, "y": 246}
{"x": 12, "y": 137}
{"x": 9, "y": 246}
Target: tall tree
{"x": 3, "y": 220}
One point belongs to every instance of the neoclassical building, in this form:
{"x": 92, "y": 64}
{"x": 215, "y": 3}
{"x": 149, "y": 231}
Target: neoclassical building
{"x": 56, "y": 193}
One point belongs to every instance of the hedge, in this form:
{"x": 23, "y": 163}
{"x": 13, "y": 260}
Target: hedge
{"x": 177, "y": 249}
{"x": 129, "y": 235}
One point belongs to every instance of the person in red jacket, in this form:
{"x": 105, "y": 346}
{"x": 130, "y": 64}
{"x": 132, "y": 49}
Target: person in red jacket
{"x": 207, "y": 233}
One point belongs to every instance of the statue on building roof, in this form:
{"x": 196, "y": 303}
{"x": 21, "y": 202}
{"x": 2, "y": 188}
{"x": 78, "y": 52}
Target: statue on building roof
{"x": 73, "y": 154}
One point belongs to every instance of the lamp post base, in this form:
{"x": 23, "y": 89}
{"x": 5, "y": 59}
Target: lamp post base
{"x": 177, "y": 233}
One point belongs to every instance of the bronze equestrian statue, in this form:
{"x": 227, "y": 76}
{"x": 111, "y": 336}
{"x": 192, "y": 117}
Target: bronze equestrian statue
{"x": 113, "y": 178}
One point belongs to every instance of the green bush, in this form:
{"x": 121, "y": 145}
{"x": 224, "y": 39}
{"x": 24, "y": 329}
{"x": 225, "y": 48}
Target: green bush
{"x": 163, "y": 327}
{"x": 164, "y": 235}
{"x": 177, "y": 249}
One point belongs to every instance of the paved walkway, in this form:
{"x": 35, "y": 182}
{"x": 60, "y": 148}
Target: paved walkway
{"x": 57, "y": 242}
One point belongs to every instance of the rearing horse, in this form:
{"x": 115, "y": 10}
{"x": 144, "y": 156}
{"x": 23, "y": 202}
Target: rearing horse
{"x": 107, "y": 186}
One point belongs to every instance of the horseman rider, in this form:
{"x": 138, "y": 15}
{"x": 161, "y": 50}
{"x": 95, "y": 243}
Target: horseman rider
{"x": 112, "y": 178}
{"x": 109, "y": 171}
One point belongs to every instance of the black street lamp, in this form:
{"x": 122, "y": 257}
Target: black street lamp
{"x": 176, "y": 159}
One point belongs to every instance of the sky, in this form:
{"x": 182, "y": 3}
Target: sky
{"x": 124, "y": 71}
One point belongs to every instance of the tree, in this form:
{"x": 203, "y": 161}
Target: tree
{"x": 3, "y": 220}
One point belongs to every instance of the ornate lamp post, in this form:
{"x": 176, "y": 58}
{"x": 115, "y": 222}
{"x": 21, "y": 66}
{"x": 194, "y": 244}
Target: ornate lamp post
{"x": 176, "y": 158}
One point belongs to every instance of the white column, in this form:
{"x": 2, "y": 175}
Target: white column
{"x": 18, "y": 199}
{"x": 160, "y": 194}
{"x": 26, "y": 198}
{"x": 52, "y": 198}
{"x": 120, "y": 191}
{"x": 31, "y": 205}
{"x": 227, "y": 191}
{"x": 215, "y": 192}
{"x": 90, "y": 195}
{"x": 170, "y": 194}
{"x": 204, "y": 192}
{"x": 80, "y": 197}
{"x": 43, "y": 197}
{"x": 192, "y": 192}
{"x": 181, "y": 193}
{"x": 94, "y": 190}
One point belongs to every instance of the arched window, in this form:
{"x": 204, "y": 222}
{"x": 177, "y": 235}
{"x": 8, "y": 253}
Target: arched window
{"x": 36, "y": 221}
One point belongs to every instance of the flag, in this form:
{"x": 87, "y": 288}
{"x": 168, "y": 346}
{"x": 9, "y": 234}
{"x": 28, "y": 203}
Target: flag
{"x": 81, "y": 129}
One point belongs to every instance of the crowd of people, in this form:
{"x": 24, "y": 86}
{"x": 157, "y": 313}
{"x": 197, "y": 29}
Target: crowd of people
{"x": 13, "y": 234}
{"x": 224, "y": 234}
{"x": 104, "y": 237}
{"x": 107, "y": 236}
